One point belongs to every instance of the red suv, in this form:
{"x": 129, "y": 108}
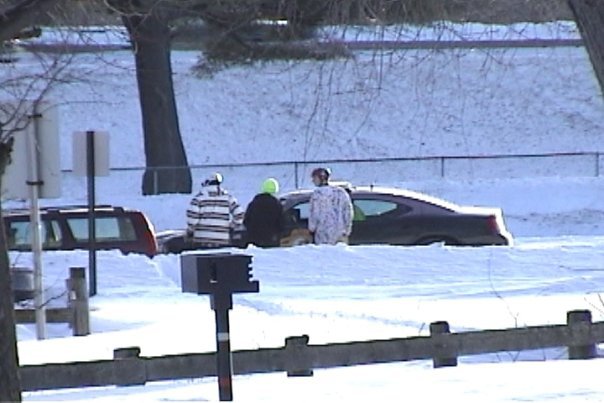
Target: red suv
{"x": 66, "y": 228}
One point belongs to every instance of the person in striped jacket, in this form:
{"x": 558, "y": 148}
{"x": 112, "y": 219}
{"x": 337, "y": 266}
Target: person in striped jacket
{"x": 211, "y": 215}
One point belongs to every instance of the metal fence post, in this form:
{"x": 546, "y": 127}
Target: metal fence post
{"x": 155, "y": 181}
{"x": 297, "y": 179}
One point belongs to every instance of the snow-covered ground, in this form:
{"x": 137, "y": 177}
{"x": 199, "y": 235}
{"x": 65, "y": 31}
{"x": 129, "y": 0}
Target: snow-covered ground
{"x": 408, "y": 104}
{"x": 340, "y": 294}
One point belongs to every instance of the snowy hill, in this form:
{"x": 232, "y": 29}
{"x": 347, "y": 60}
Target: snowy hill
{"x": 393, "y": 104}
{"x": 409, "y": 104}
{"x": 413, "y": 103}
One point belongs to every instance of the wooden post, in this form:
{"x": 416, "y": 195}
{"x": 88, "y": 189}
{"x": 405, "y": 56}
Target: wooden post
{"x": 441, "y": 358}
{"x": 296, "y": 359}
{"x": 78, "y": 301}
{"x": 129, "y": 368}
{"x": 580, "y": 321}
{"x": 126, "y": 352}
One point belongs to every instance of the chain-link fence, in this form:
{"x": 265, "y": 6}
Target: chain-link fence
{"x": 296, "y": 174}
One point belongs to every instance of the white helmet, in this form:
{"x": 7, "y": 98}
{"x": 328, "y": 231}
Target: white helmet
{"x": 213, "y": 180}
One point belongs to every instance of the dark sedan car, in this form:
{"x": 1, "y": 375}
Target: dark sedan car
{"x": 386, "y": 216}
{"x": 401, "y": 217}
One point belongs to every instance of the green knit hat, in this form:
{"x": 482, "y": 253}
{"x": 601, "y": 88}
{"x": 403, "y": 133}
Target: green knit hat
{"x": 270, "y": 186}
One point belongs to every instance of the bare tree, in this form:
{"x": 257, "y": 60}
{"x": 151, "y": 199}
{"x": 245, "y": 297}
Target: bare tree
{"x": 10, "y": 386}
{"x": 148, "y": 26}
{"x": 17, "y": 15}
{"x": 589, "y": 15}
{"x": 14, "y": 117}
{"x": 228, "y": 25}
{"x": 167, "y": 170}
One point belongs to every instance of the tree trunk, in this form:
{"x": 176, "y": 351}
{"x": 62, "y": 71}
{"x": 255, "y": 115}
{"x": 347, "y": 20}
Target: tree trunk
{"x": 589, "y": 15}
{"x": 10, "y": 385}
{"x": 167, "y": 170}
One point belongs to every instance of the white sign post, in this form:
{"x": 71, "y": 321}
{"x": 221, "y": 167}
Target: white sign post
{"x": 91, "y": 159}
{"x": 99, "y": 142}
{"x": 34, "y": 172}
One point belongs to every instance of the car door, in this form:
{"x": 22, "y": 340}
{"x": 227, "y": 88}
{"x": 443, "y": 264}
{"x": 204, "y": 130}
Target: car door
{"x": 380, "y": 220}
{"x": 296, "y": 224}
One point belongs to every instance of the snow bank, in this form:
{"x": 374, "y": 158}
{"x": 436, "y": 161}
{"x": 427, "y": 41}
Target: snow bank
{"x": 335, "y": 294}
{"x": 393, "y": 291}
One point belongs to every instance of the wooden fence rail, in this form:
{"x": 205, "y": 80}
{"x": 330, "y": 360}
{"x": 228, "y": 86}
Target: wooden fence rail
{"x": 298, "y": 358}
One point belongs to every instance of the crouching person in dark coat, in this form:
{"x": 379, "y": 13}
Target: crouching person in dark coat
{"x": 264, "y": 217}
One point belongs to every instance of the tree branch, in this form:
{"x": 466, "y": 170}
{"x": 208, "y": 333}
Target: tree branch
{"x": 21, "y": 15}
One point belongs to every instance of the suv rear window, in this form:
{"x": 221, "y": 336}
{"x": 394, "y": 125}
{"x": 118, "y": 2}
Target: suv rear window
{"x": 107, "y": 229}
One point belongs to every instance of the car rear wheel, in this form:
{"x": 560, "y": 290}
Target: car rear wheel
{"x": 175, "y": 245}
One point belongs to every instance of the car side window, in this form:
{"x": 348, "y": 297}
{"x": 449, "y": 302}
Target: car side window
{"x": 107, "y": 229}
{"x": 19, "y": 234}
{"x": 300, "y": 212}
{"x": 53, "y": 237}
{"x": 373, "y": 208}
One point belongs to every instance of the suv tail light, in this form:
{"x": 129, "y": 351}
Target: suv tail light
{"x": 151, "y": 244}
{"x": 149, "y": 239}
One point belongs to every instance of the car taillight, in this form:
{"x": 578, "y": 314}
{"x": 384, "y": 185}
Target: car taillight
{"x": 151, "y": 243}
{"x": 149, "y": 239}
{"x": 493, "y": 224}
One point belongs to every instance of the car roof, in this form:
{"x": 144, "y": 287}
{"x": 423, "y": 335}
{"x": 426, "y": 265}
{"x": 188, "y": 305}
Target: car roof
{"x": 65, "y": 209}
{"x": 379, "y": 190}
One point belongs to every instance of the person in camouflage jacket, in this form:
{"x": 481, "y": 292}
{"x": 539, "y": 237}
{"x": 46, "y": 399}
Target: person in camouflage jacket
{"x": 331, "y": 211}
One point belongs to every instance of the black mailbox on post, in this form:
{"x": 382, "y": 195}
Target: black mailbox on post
{"x": 220, "y": 275}
{"x": 218, "y": 272}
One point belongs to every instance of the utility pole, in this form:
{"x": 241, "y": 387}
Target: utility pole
{"x": 34, "y": 182}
